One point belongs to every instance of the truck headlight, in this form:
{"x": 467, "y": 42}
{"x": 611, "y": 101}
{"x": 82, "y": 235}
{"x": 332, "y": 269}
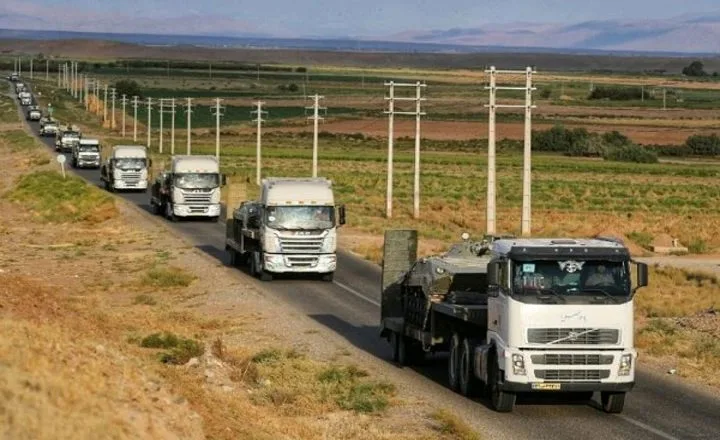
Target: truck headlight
{"x": 328, "y": 245}
{"x": 518, "y": 365}
{"x": 625, "y": 365}
{"x": 272, "y": 243}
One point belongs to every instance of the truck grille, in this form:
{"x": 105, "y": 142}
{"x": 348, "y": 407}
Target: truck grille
{"x": 574, "y": 336}
{"x": 572, "y": 375}
{"x": 201, "y": 198}
{"x": 130, "y": 178}
{"x": 302, "y": 261}
{"x": 571, "y": 359}
{"x": 305, "y": 245}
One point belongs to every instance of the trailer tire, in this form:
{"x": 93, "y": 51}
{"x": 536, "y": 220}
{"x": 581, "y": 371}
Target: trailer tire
{"x": 454, "y": 362}
{"x": 612, "y": 402}
{"x": 469, "y": 384}
{"x": 500, "y": 400}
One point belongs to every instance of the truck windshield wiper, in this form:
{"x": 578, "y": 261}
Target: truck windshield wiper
{"x": 603, "y": 292}
{"x": 552, "y": 291}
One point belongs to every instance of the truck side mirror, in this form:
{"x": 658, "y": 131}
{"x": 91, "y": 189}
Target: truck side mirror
{"x": 149, "y": 162}
{"x": 642, "y": 275}
{"x": 493, "y": 274}
{"x": 341, "y": 213}
{"x": 223, "y": 179}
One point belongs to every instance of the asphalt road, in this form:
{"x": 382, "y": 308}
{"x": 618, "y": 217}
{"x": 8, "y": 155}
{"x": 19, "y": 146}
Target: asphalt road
{"x": 658, "y": 407}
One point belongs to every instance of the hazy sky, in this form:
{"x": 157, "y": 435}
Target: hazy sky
{"x": 382, "y": 17}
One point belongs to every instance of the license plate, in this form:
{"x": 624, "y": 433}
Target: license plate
{"x": 546, "y": 386}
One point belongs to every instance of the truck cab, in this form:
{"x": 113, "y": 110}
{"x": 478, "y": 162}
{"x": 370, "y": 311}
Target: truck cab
{"x": 25, "y": 98}
{"x": 526, "y": 315}
{"x": 189, "y": 188}
{"x": 126, "y": 168}
{"x": 19, "y": 87}
{"x": 48, "y": 127}
{"x": 65, "y": 139}
{"x": 86, "y": 154}
{"x": 14, "y": 77}
{"x": 291, "y": 229}
{"x": 34, "y": 113}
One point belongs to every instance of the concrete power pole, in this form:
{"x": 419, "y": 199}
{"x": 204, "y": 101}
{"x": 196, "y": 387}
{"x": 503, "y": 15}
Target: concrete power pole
{"x": 47, "y": 69}
{"x": 81, "y": 87}
{"x": 105, "y": 118}
{"x": 218, "y": 112}
{"x": 527, "y": 150}
{"x": 135, "y": 110}
{"x": 172, "y": 126}
{"x": 188, "y": 110}
{"x": 31, "y": 67}
{"x": 161, "y": 112}
{"x": 87, "y": 93}
{"x": 316, "y": 118}
{"x": 259, "y": 112}
{"x": 123, "y": 101}
{"x": 149, "y": 122}
{"x": 60, "y": 75}
{"x": 391, "y": 137}
{"x": 97, "y": 97}
{"x": 418, "y": 114}
{"x": 113, "y": 95}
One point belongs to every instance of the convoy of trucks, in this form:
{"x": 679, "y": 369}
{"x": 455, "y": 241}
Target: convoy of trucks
{"x": 189, "y": 188}
{"x": 291, "y": 229}
{"x": 513, "y": 314}
{"x": 126, "y": 168}
{"x": 86, "y": 153}
{"x": 34, "y": 113}
{"x": 516, "y": 315}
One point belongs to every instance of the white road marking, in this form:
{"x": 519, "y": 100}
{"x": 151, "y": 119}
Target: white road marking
{"x": 356, "y": 293}
{"x": 648, "y": 428}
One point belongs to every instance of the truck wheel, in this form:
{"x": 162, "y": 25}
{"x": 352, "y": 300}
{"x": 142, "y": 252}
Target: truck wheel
{"x": 169, "y": 212}
{"x": 612, "y": 403}
{"x": 154, "y": 208}
{"x": 265, "y": 275}
{"x": 454, "y": 362}
{"x": 501, "y": 401}
{"x": 328, "y": 276}
{"x": 469, "y": 384}
{"x": 395, "y": 345}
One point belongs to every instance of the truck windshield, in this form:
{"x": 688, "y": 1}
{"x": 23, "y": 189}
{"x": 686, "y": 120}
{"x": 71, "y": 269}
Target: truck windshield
{"x": 88, "y": 148}
{"x": 300, "y": 217}
{"x": 126, "y": 163}
{"x": 571, "y": 281}
{"x": 197, "y": 180}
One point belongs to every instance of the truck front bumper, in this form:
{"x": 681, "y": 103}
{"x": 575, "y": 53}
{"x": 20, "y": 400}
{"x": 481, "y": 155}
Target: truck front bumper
{"x": 300, "y": 263}
{"x": 196, "y": 210}
{"x": 517, "y": 387}
{"x": 120, "y": 184}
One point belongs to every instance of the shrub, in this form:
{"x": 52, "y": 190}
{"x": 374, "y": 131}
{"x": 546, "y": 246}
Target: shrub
{"x": 630, "y": 153}
{"x": 704, "y": 145}
{"x": 616, "y": 93}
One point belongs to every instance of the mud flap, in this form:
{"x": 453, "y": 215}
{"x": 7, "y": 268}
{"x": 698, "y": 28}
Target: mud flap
{"x": 399, "y": 254}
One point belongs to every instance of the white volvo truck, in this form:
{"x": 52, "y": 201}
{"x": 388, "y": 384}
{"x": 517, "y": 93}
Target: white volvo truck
{"x": 190, "y": 188}
{"x": 292, "y": 229}
{"x": 516, "y": 315}
{"x": 126, "y": 168}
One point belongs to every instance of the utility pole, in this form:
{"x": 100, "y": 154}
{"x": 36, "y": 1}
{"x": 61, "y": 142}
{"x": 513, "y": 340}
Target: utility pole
{"x": 188, "y": 110}
{"x": 123, "y": 101}
{"x": 316, "y": 118}
{"x": 113, "y": 95}
{"x": 218, "y": 111}
{"x": 664, "y": 98}
{"x": 135, "y": 110}
{"x": 87, "y": 93}
{"x": 149, "y": 122}
{"x": 162, "y": 111}
{"x": 73, "y": 79}
{"x": 31, "y": 66}
{"x": 259, "y": 112}
{"x": 418, "y": 113}
{"x": 81, "y": 87}
{"x": 47, "y": 69}
{"x": 97, "y": 97}
{"x": 19, "y": 69}
{"x": 172, "y": 126}
{"x": 527, "y": 150}
{"x": 60, "y": 75}
{"x": 105, "y": 118}
{"x": 391, "y": 137}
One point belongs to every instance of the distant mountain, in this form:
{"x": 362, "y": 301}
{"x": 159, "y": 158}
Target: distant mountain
{"x": 687, "y": 33}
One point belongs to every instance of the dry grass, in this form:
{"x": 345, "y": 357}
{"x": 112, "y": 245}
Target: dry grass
{"x": 167, "y": 277}
{"x": 453, "y": 427}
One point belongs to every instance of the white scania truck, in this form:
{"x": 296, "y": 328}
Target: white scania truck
{"x": 292, "y": 229}
{"x": 516, "y": 315}
{"x": 190, "y": 188}
{"x": 126, "y": 168}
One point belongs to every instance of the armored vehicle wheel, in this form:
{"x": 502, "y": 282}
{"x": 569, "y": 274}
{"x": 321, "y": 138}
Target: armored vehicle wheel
{"x": 612, "y": 403}
{"x": 454, "y": 362}
{"x": 469, "y": 384}
{"x": 501, "y": 401}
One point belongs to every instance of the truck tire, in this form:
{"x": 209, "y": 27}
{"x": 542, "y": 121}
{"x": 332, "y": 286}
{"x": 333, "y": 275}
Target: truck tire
{"x": 169, "y": 212}
{"x": 328, "y": 276}
{"x": 501, "y": 401}
{"x": 409, "y": 351}
{"x": 469, "y": 384}
{"x": 155, "y": 208}
{"x": 454, "y": 362}
{"x": 612, "y": 402}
